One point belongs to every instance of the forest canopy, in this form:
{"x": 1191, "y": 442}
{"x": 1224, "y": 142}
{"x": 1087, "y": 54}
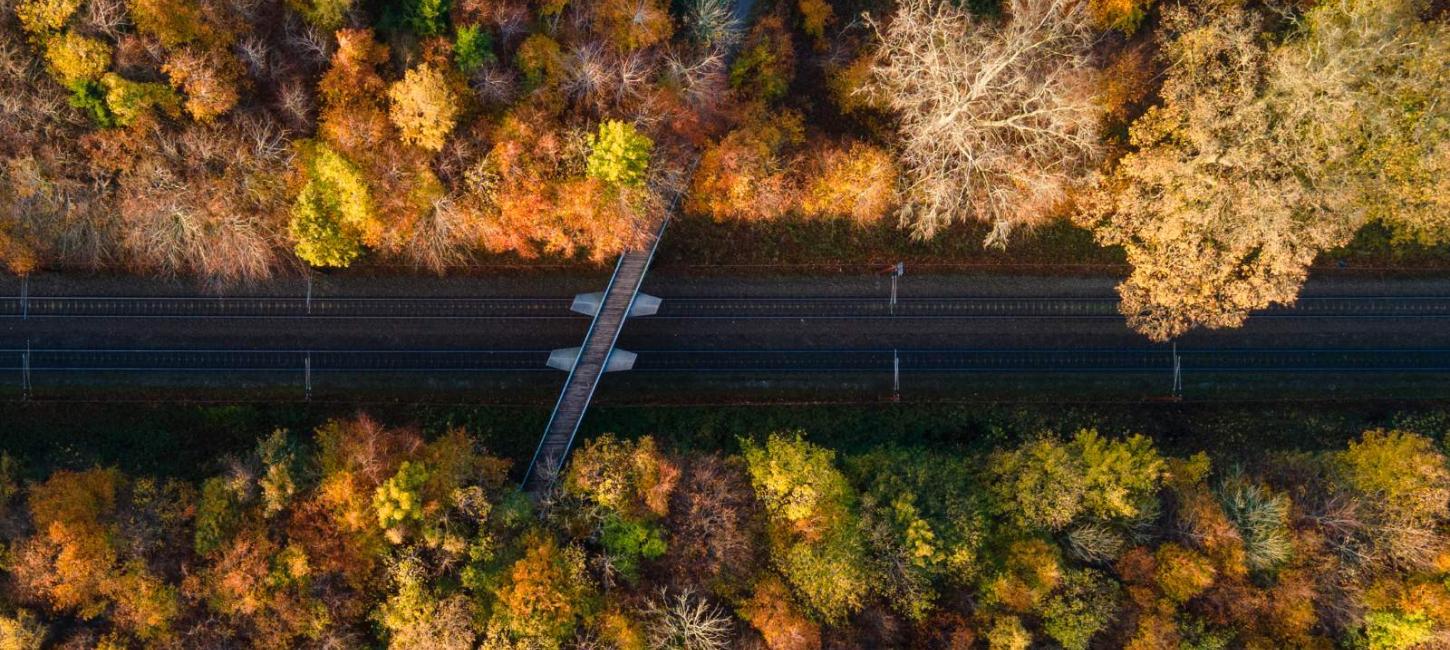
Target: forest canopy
{"x": 1223, "y": 145}
{"x": 359, "y": 534}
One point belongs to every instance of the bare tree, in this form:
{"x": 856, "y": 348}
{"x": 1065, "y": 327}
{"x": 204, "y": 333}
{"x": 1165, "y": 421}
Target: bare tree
{"x": 998, "y": 118}
{"x": 107, "y": 16}
{"x": 203, "y": 200}
{"x": 687, "y": 622}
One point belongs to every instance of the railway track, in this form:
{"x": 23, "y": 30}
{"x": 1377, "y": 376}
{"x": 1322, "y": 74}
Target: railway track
{"x": 1088, "y": 360}
{"x": 263, "y": 307}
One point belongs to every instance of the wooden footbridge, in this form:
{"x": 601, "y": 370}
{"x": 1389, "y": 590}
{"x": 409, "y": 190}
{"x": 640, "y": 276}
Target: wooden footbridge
{"x": 596, "y": 356}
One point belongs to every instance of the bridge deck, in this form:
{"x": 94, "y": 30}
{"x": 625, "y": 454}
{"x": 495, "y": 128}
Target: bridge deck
{"x": 589, "y": 365}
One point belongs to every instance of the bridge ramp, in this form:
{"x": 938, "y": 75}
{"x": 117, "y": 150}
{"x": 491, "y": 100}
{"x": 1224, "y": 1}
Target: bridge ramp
{"x": 589, "y": 365}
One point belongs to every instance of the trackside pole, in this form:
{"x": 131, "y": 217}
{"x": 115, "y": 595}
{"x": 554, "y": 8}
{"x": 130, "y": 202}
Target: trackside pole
{"x": 25, "y": 297}
{"x": 895, "y": 376}
{"x": 25, "y": 373}
{"x": 307, "y": 376}
{"x": 899, "y": 271}
{"x": 1177, "y": 373}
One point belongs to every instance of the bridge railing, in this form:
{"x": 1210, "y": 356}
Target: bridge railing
{"x": 583, "y": 348}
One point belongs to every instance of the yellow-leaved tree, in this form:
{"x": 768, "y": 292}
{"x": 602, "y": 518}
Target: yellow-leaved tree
{"x": 423, "y": 107}
{"x": 1258, "y": 160}
{"x": 333, "y": 215}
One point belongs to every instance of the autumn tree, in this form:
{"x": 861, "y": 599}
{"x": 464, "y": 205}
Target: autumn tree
{"x": 1257, "y": 160}
{"x": 93, "y": 554}
{"x": 1022, "y": 574}
{"x": 76, "y": 58}
{"x": 73, "y": 554}
{"x": 333, "y": 214}
{"x": 1405, "y": 487}
{"x": 423, "y": 107}
{"x": 1046, "y": 484}
{"x": 745, "y": 175}
{"x": 208, "y": 81}
{"x": 771, "y": 612}
{"x": 323, "y": 14}
{"x": 528, "y": 195}
{"x": 814, "y": 530}
{"x": 176, "y": 23}
{"x": 546, "y": 593}
{"x": 619, "y": 154}
{"x": 714, "y": 531}
{"x": 1083, "y": 605}
{"x": 857, "y": 182}
{"x": 634, "y": 24}
{"x": 355, "y": 124}
{"x": 765, "y": 66}
{"x": 129, "y": 101}
{"x": 923, "y": 519}
{"x": 997, "y": 121}
{"x": 51, "y": 208}
{"x": 41, "y": 17}
{"x": 416, "y": 618}
{"x": 540, "y": 59}
{"x": 21, "y": 631}
{"x": 630, "y": 483}
{"x": 1360, "y": 89}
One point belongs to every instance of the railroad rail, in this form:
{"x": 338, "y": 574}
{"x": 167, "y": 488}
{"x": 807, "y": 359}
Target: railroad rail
{"x": 725, "y": 308}
{"x": 207, "y": 307}
{"x": 1023, "y": 360}
{"x": 227, "y": 361}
